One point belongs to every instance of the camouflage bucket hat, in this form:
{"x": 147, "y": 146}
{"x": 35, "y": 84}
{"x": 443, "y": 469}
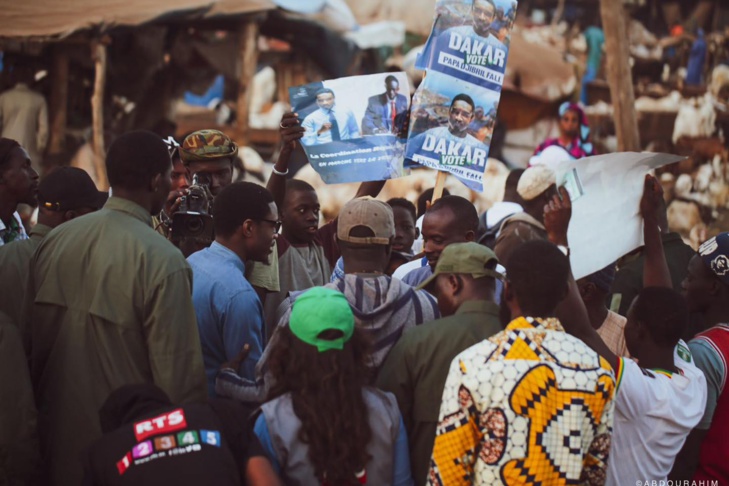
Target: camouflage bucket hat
{"x": 206, "y": 145}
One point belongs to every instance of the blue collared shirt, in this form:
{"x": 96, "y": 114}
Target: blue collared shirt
{"x": 229, "y": 312}
{"x": 348, "y": 127}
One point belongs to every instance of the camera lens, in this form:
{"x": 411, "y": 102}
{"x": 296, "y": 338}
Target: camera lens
{"x": 194, "y": 226}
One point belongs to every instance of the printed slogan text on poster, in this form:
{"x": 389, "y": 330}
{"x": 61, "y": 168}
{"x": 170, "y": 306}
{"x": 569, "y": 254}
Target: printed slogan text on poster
{"x": 454, "y": 109}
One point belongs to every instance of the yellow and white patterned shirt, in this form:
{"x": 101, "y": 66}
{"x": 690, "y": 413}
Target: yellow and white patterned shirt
{"x": 530, "y": 405}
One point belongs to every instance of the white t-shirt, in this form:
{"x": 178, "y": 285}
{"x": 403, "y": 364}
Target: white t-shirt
{"x": 654, "y": 412}
{"x": 406, "y": 268}
{"x": 418, "y": 243}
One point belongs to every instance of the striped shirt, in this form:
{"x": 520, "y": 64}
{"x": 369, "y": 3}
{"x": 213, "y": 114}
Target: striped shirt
{"x": 383, "y": 307}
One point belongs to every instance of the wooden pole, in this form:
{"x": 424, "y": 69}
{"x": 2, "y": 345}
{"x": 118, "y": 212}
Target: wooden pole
{"x": 58, "y": 102}
{"x": 619, "y": 75}
{"x": 439, "y": 185}
{"x": 247, "y": 69}
{"x": 97, "y": 112}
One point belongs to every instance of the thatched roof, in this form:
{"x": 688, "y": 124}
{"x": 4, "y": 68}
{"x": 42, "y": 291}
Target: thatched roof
{"x": 45, "y": 19}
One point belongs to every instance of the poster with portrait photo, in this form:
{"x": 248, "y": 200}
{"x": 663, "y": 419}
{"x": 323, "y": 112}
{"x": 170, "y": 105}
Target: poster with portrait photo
{"x": 355, "y": 126}
{"x": 470, "y": 40}
{"x": 445, "y": 133}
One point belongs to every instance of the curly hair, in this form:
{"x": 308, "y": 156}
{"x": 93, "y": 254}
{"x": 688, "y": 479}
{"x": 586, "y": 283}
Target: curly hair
{"x": 326, "y": 393}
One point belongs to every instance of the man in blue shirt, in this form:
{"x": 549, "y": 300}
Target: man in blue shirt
{"x": 329, "y": 123}
{"x": 229, "y": 312}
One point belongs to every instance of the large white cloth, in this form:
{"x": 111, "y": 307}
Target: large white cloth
{"x": 654, "y": 412}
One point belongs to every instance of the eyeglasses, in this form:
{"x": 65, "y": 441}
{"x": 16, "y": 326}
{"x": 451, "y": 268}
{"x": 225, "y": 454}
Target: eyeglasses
{"x": 276, "y": 224}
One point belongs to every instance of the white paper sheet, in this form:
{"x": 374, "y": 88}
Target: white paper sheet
{"x": 606, "y": 222}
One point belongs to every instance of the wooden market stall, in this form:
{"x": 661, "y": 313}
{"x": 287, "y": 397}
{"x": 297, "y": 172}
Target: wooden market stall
{"x": 66, "y": 26}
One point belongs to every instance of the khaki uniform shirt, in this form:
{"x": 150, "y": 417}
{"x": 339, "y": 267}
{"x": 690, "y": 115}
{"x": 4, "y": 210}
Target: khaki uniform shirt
{"x": 416, "y": 369}
{"x": 14, "y": 266}
{"x": 109, "y": 304}
{"x": 18, "y": 438}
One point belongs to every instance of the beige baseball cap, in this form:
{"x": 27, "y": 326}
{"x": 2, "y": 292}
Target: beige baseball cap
{"x": 370, "y": 213}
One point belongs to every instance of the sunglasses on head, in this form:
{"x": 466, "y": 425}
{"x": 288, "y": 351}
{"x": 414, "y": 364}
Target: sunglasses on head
{"x": 172, "y": 146}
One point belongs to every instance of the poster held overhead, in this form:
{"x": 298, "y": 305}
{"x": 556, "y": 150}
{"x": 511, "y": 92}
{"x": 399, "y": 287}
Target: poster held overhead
{"x": 355, "y": 126}
{"x": 454, "y": 108}
{"x": 470, "y": 40}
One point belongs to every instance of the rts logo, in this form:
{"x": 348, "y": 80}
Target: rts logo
{"x": 167, "y": 422}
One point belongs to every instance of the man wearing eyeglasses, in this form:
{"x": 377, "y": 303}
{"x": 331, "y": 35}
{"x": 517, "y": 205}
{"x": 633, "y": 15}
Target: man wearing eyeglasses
{"x": 229, "y": 312}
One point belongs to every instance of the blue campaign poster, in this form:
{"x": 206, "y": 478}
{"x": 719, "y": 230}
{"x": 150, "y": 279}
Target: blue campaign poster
{"x": 450, "y": 127}
{"x": 470, "y": 40}
{"x": 355, "y": 127}
{"x": 454, "y": 109}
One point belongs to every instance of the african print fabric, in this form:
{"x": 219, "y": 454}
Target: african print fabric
{"x": 530, "y": 405}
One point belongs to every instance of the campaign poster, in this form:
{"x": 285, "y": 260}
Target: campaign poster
{"x": 451, "y": 124}
{"x": 356, "y": 127}
{"x": 470, "y": 40}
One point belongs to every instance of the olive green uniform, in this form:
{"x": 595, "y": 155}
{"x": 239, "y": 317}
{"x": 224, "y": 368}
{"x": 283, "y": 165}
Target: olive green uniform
{"x": 416, "y": 369}
{"x": 108, "y": 304}
{"x": 14, "y": 264}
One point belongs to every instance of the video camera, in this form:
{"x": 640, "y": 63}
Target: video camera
{"x": 193, "y": 220}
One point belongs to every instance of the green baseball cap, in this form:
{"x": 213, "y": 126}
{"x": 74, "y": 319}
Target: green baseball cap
{"x": 321, "y": 309}
{"x": 471, "y": 258}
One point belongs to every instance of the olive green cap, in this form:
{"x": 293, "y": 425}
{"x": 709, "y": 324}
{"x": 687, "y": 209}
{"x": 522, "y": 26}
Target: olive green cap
{"x": 467, "y": 258}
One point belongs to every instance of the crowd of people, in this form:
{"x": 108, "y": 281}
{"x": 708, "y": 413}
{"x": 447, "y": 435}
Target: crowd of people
{"x": 289, "y": 352}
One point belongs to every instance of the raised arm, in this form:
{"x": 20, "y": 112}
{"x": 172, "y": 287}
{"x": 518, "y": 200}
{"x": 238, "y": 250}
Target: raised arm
{"x": 571, "y": 312}
{"x": 655, "y": 268}
{"x": 370, "y": 188}
{"x": 291, "y": 132}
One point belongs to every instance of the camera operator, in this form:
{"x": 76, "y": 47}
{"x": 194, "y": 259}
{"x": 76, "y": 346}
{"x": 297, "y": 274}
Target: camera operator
{"x": 208, "y": 157}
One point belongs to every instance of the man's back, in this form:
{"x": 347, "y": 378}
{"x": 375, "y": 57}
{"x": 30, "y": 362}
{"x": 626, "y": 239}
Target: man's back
{"x": 417, "y": 367}
{"x": 384, "y": 308}
{"x": 14, "y": 267}
{"x": 208, "y": 445}
{"x": 531, "y": 404}
{"x": 654, "y": 412}
{"x": 110, "y": 305}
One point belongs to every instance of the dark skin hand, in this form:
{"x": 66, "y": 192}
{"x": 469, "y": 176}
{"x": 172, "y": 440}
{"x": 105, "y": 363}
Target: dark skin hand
{"x": 259, "y": 472}
{"x": 655, "y": 268}
{"x": 291, "y": 132}
{"x": 174, "y": 199}
{"x": 234, "y": 364}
